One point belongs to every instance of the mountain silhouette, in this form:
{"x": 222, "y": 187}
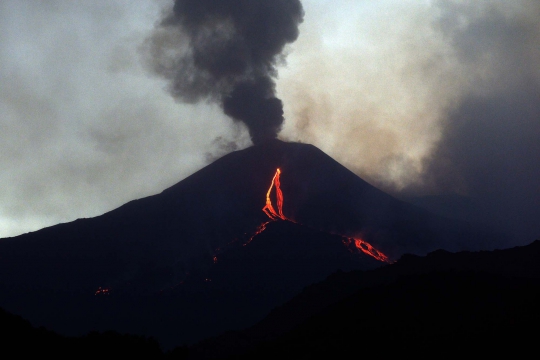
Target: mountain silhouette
{"x": 185, "y": 264}
{"x": 476, "y": 302}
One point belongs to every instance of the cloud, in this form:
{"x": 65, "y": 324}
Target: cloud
{"x": 226, "y": 51}
{"x": 425, "y": 98}
{"x": 84, "y": 127}
{"x": 418, "y": 98}
{"x": 489, "y": 148}
{"x": 374, "y": 91}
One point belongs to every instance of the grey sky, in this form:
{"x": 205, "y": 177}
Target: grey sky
{"x": 394, "y": 90}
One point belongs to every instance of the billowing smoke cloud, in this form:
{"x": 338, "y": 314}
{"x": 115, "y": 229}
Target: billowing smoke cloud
{"x": 83, "y": 127}
{"x": 417, "y": 97}
{"x": 434, "y": 99}
{"x": 227, "y": 51}
{"x": 490, "y": 148}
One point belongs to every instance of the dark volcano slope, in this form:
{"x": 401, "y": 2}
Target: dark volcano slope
{"x": 284, "y": 258}
{"x": 452, "y": 312}
{"x": 171, "y": 233}
{"x": 21, "y": 338}
{"x": 147, "y": 246}
{"x": 234, "y": 291}
{"x": 484, "y": 301}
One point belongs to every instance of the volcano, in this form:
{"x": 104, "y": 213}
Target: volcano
{"x": 218, "y": 249}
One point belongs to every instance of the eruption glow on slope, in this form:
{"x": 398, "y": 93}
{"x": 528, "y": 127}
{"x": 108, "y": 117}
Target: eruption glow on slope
{"x": 269, "y": 210}
{"x": 367, "y": 249}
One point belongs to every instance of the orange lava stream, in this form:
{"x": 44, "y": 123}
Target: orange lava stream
{"x": 269, "y": 210}
{"x": 367, "y": 249}
{"x": 259, "y": 230}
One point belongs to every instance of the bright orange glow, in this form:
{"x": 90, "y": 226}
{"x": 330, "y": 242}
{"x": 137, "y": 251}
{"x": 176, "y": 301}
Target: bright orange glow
{"x": 366, "y": 248}
{"x": 274, "y": 215}
{"x": 268, "y": 208}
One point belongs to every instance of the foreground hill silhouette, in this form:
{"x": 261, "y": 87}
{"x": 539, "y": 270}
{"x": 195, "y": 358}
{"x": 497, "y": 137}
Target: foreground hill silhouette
{"x": 483, "y": 303}
{"x": 149, "y": 267}
{"x": 467, "y": 302}
{"x": 240, "y": 288}
{"x": 20, "y": 339}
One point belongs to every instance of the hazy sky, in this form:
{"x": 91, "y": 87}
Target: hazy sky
{"x": 417, "y": 97}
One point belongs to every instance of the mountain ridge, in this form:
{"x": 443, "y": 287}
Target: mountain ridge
{"x": 498, "y": 280}
{"x": 150, "y": 246}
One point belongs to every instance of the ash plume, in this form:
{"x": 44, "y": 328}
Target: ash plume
{"x": 438, "y": 100}
{"x": 489, "y": 149}
{"x": 226, "y": 51}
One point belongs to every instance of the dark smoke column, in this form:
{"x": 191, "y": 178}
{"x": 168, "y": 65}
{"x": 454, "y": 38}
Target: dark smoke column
{"x": 227, "y": 51}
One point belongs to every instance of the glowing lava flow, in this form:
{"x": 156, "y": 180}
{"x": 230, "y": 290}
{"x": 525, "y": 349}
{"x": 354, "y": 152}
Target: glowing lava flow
{"x": 268, "y": 208}
{"x": 367, "y": 249}
{"x": 274, "y": 215}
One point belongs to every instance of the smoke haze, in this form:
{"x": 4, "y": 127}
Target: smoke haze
{"x": 417, "y": 97}
{"x": 432, "y": 99}
{"x": 227, "y": 51}
{"x": 84, "y": 129}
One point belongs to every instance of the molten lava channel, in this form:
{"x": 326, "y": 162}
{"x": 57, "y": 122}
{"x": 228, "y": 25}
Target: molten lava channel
{"x": 367, "y": 249}
{"x": 274, "y": 215}
{"x": 268, "y": 208}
